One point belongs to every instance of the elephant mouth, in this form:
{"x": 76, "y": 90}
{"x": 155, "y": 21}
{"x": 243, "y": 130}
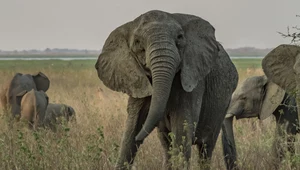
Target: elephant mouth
{"x": 239, "y": 115}
{"x": 245, "y": 114}
{"x": 150, "y": 79}
{"x": 148, "y": 74}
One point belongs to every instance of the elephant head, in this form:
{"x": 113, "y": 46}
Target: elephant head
{"x": 33, "y": 106}
{"x": 282, "y": 66}
{"x": 256, "y": 97}
{"x": 142, "y": 57}
{"x": 19, "y": 83}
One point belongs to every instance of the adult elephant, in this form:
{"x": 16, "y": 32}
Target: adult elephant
{"x": 178, "y": 77}
{"x": 258, "y": 97}
{"x": 19, "y": 83}
{"x": 33, "y": 107}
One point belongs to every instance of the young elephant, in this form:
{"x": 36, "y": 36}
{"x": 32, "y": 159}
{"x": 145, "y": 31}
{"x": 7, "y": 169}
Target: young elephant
{"x": 55, "y": 112}
{"x": 33, "y": 107}
{"x": 19, "y": 83}
{"x": 258, "y": 97}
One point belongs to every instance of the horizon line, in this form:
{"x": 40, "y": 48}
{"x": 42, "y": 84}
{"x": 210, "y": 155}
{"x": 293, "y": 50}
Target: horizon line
{"x": 82, "y": 49}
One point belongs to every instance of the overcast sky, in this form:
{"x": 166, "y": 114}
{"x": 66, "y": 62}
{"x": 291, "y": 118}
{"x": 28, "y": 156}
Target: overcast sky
{"x": 85, "y": 24}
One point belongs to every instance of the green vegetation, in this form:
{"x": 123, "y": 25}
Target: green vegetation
{"x": 29, "y": 64}
{"x": 55, "y": 65}
{"x": 93, "y": 142}
{"x": 247, "y": 63}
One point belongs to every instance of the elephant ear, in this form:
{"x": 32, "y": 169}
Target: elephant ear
{"x": 71, "y": 111}
{"x": 19, "y": 97}
{"x": 117, "y": 67}
{"x": 41, "y": 81}
{"x": 272, "y": 99}
{"x": 282, "y": 65}
{"x": 199, "y": 54}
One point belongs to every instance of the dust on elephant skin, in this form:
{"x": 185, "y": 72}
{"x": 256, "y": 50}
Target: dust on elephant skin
{"x": 33, "y": 106}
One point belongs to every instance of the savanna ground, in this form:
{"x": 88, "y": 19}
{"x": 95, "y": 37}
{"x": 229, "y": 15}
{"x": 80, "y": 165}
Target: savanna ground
{"x": 93, "y": 142}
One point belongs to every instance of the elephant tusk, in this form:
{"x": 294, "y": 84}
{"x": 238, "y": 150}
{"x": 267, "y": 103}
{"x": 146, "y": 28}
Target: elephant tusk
{"x": 229, "y": 115}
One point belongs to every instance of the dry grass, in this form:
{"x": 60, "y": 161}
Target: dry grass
{"x": 93, "y": 142}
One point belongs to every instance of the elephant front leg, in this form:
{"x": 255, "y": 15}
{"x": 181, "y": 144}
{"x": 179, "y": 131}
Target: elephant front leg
{"x": 137, "y": 112}
{"x": 165, "y": 140}
{"x": 291, "y": 148}
{"x": 181, "y": 141}
{"x": 278, "y": 150}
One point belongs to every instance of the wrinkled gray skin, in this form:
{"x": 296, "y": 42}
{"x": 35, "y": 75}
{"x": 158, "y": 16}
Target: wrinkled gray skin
{"x": 257, "y": 97}
{"x": 19, "y": 83}
{"x": 282, "y": 66}
{"x": 178, "y": 77}
{"x": 55, "y": 112}
{"x": 33, "y": 107}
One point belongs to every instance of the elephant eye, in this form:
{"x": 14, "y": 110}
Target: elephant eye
{"x": 138, "y": 47}
{"x": 180, "y": 36}
{"x": 180, "y": 40}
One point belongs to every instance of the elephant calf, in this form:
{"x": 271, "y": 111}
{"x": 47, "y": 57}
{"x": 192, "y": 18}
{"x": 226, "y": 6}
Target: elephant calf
{"x": 16, "y": 85}
{"x": 55, "y": 112}
{"x": 33, "y": 107}
{"x": 258, "y": 97}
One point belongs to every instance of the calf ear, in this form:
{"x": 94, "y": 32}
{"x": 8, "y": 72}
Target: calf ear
{"x": 19, "y": 97}
{"x": 273, "y": 98}
{"x": 70, "y": 111}
{"x": 41, "y": 81}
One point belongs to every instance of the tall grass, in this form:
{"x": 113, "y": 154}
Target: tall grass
{"x": 93, "y": 141}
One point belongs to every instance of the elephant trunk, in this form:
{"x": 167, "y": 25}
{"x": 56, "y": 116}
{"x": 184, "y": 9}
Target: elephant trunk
{"x": 164, "y": 60}
{"x": 228, "y": 142}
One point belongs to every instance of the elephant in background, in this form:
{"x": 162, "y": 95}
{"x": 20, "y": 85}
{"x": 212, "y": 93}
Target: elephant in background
{"x": 33, "y": 107}
{"x": 258, "y": 97}
{"x": 178, "y": 78}
{"x": 19, "y": 83}
{"x": 56, "y": 112}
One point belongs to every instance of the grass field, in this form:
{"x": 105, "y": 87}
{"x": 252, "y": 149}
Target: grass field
{"x": 93, "y": 142}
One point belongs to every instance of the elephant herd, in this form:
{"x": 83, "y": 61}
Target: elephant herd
{"x": 180, "y": 80}
{"x": 24, "y": 96}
